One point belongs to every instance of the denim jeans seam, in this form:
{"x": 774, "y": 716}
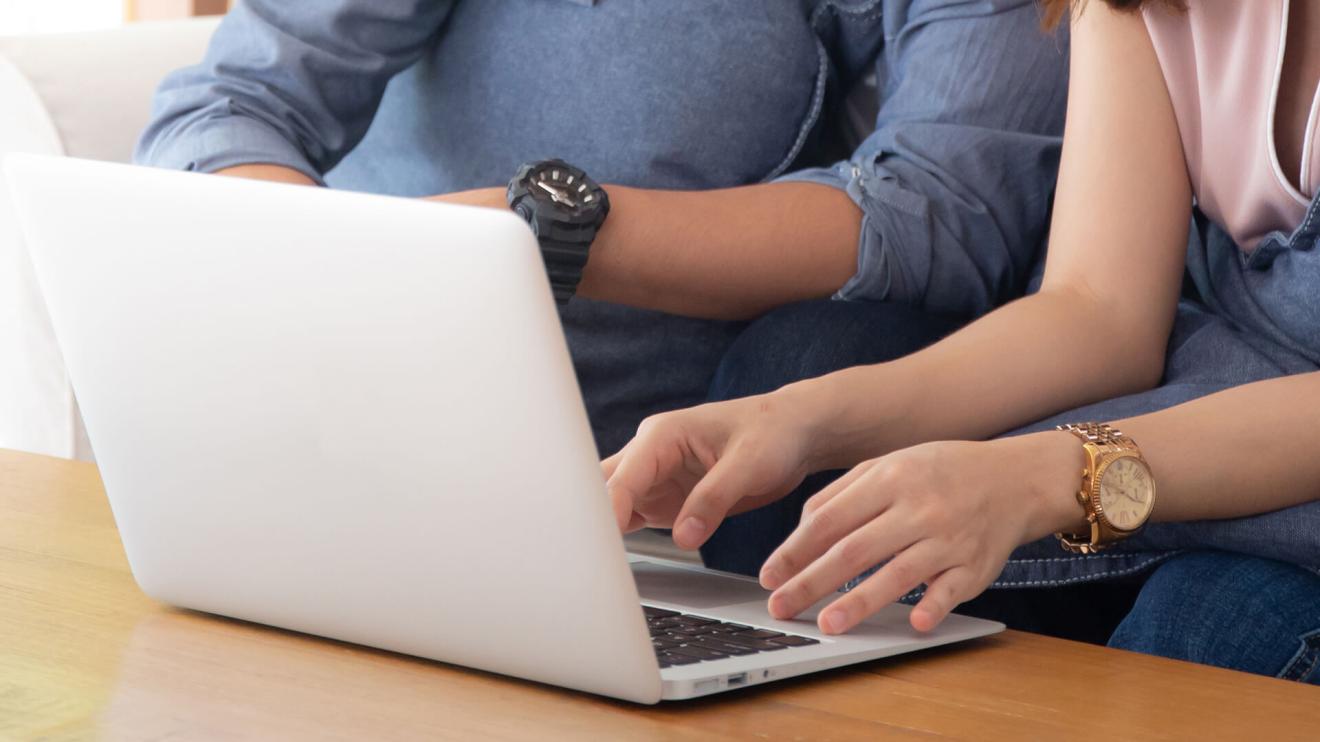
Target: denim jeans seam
{"x": 1310, "y": 219}
{"x": 1088, "y": 577}
{"x": 1310, "y": 649}
{"x": 1078, "y": 557}
{"x": 813, "y": 113}
{"x": 876, "y": 8}
{"x": 867, "y": 11}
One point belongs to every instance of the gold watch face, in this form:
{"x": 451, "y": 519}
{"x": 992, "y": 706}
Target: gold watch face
{"x": 1127, "y": 493}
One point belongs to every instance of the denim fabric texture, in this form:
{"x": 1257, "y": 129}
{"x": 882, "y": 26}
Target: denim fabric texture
{"x": 1248, "y": 318}
{"x": 420, "y": 97}
{"x": 1227, "y": 609}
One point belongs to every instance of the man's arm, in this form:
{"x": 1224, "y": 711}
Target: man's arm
{"x": 944, "y": 206}
{"x": 288, "y": 86}
{"x": 957, "y": 180}
{"x": 726, "y": 254}
{"x": 272, "y": 173}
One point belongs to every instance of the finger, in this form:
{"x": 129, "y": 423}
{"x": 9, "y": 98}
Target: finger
{"x": 648, "y": 459}
{"x": 911, "y": 567}
{"x": 733, "y": 477}
{"x": 859, "y": 503}
{"x": 608, "y": 466}
{"x": 943, "y": 594}
{"x": 828, "y": 492}
{"x": 620, "y": 501}
{"x": 864, "y": 548}
{"x": 635, "y": 523}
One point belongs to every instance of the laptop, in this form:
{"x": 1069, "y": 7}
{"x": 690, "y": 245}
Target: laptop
{"x": 355, "y": 416}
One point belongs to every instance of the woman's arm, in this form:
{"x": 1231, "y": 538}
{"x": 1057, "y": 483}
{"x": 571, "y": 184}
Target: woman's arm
{"x": 948, "y": 514}
{"x": 1099, "y": 325}
{"x": 1246, "y": 450}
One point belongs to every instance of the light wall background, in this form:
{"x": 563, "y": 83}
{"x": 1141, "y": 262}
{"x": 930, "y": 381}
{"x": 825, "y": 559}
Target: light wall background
{"x": 53, "y": 16}
{"x": 46, "y": 16}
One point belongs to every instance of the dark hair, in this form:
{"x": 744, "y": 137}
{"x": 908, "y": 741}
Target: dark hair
{"x": 1055, "y": 10}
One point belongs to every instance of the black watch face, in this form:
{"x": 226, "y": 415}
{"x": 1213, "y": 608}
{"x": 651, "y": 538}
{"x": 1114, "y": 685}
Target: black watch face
{"x": 566, "y": 188}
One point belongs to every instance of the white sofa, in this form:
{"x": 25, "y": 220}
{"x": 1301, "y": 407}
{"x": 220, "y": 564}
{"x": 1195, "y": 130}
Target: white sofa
{"x": 79, "y": 95}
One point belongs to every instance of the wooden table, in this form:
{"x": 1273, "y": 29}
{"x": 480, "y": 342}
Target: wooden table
{"x": 84, "y": 655}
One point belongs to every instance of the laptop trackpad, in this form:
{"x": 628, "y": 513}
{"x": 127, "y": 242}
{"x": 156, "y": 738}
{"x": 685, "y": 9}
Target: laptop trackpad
{"x": 696, "y": 588}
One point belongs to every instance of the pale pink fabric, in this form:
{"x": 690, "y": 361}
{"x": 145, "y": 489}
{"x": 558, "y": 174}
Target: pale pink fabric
{"x": 1221, "y": 60}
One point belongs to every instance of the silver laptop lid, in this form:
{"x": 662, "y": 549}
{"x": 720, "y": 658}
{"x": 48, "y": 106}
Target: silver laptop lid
{"x": 349, "y": 415}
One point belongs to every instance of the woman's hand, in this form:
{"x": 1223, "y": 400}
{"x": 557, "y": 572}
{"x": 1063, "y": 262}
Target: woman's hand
{"x": 944, "y": 514}
{"x": 689, "y": 469}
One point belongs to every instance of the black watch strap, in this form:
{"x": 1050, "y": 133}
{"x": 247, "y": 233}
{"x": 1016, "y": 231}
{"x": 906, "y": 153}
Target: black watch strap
{"x": 564, "y": 263}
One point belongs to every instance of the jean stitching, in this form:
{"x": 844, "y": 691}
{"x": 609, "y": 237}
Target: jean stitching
{"x": 1310, "y": 648}
{"x": 1090, "y": 577}
{"x": 1306, "y": 225}
{"x": 813, "y": 114}
{"x": 1149, "y": 562}
{"x": 868, "y": 11}
{"x": 822, "y": 80}
{"x": 1091, "y": 557}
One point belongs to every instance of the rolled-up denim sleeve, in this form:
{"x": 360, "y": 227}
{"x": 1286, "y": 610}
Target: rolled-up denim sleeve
{"x": 956, "y": 181}
{"x": 287, "y": 83}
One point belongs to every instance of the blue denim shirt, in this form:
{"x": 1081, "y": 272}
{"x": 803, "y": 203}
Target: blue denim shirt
{"x": 417, "y": 97}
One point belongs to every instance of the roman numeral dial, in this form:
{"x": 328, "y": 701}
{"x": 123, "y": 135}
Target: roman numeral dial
{"x": 1127, "y": 493}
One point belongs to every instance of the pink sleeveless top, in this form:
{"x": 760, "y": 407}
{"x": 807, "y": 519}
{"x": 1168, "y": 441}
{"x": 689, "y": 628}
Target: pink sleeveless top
{"x": 1222, "y": 61}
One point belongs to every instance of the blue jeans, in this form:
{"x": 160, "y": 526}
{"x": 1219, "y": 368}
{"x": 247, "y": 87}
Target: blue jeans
{"x": 1230, "y": 610}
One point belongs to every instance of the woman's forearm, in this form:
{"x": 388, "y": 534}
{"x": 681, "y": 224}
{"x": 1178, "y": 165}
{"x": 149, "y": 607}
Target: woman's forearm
{"x": 1246, "y": 450}
{"x": 1021, "y": 363}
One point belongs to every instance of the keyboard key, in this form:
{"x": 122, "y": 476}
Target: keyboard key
{"x": 701, "y": 653}
{"x": 684, "y": 639}
{"x": 794, "y": 641}
{"x": 719, "y": 646}
{"x": 759, "y": 634}
{"x": 666, "y": 659}
{"x": 687, "y": 630}
{"x": 760, "y": 645}
{"x": 660, "y": 624}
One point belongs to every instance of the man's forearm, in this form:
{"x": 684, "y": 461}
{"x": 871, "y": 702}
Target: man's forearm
{"x": 726, "y": 254}
{"x": 274, "y": 173}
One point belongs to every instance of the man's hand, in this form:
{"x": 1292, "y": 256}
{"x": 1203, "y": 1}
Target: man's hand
{"x": 690, "y": 469}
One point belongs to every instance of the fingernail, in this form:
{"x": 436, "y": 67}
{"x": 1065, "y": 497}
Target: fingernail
{"x": 835, "y": 621}
{"x": 769, "y": 578}
{"x": 691, "y": 531}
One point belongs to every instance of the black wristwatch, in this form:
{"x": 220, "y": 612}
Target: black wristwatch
{"x": 565, "y": 209}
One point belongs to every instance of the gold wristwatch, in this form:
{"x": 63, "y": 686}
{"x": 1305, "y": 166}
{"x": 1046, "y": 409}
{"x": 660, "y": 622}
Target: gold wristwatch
{"x": 1118, "y": 491}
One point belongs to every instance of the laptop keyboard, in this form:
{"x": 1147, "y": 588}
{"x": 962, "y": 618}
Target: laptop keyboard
{"x": 682, "y": 639}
